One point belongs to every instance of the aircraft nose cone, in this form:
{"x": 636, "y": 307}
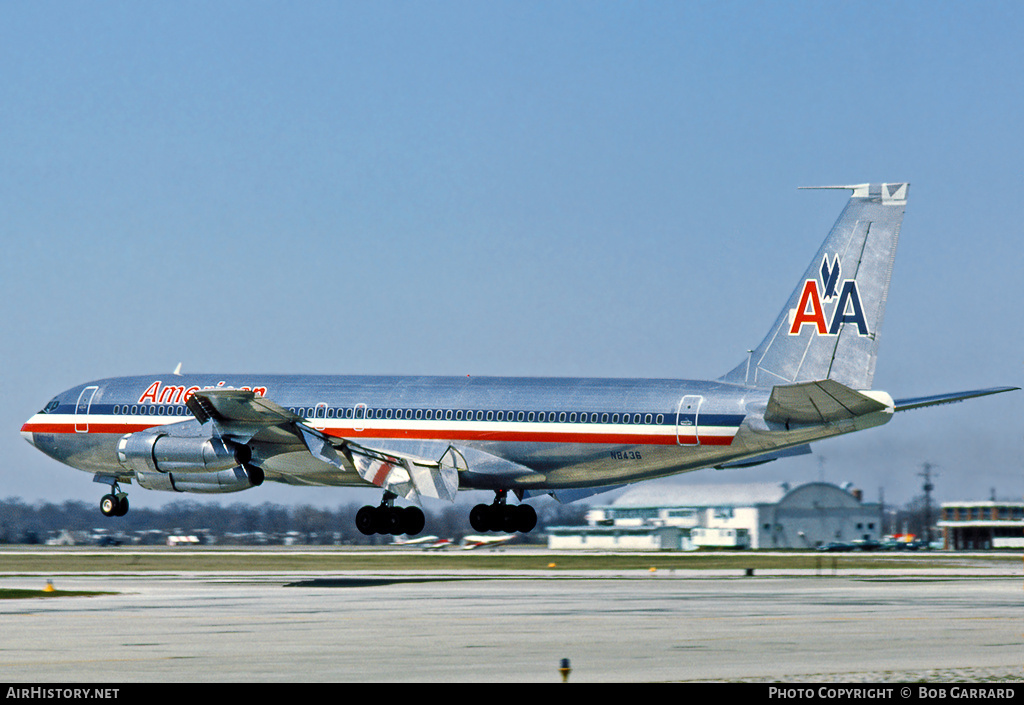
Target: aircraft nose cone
{"x": 28, "y": 435}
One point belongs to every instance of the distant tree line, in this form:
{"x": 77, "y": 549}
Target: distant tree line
{"x": 24, "y": 523}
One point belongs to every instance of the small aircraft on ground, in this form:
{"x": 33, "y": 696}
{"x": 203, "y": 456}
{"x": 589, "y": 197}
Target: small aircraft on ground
{"x": 471, "y": 542}
{"x": 427, "y": 543}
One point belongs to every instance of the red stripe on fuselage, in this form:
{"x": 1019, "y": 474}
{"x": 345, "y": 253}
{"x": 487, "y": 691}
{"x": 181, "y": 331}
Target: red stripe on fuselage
{"x": 616, "y": 438}
{"x": 580, "y": 437}
{"x": 121, "y": 428}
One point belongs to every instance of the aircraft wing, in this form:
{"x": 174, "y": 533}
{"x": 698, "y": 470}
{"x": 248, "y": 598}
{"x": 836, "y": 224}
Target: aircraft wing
{"x": 245, "y": 417}
{"x": 919, "y": 402}
{"x": 239, "y": 405}
{"x": 821, "y": 401}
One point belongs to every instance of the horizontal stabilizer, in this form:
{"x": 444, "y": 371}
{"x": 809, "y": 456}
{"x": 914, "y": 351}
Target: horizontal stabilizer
{"x": 918, "y": 402}
{"x": 818, "y": 402}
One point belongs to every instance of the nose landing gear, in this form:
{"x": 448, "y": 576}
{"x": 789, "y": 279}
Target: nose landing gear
{"x": 114, "y": 504}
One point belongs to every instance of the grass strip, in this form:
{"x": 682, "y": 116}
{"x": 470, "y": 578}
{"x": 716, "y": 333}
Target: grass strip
{"x": 219, "y": 560}
{"x": 24, "y": 594}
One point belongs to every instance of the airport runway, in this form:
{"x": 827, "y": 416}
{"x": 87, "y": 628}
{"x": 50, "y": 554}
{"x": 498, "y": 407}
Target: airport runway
{"x": 470, "y": 627}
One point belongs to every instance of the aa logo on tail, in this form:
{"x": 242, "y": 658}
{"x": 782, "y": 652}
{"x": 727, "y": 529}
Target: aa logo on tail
{"x": 811, "y": 309}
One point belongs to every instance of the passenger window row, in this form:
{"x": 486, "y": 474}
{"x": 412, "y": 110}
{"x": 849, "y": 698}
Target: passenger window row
{"x": 151, "y": 409}
{"x": 361, "y": 412}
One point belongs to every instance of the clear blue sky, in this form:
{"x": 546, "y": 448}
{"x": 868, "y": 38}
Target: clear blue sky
{"x": 509, "y": 188}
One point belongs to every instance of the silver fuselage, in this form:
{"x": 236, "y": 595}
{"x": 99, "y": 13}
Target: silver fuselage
{"x": 569, "y": 433}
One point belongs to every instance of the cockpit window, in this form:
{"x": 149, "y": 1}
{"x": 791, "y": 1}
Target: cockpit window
{"x": 52, "y": 406}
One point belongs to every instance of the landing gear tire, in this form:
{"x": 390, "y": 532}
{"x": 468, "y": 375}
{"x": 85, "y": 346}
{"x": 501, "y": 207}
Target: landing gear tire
{"x": 509, "y": 519}
{"x": 527, "y": 518}
{"x": 413, "y": 521}
{"x": 366, "y": 521}
{"x": 108, "y": 505}
{"x": 111, "y": 505}
{"x": 480, "y": 518}
{"x": 389, "y": 521}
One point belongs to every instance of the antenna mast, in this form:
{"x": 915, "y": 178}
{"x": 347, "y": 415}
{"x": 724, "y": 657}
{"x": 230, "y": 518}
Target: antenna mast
{"x": 928, "y": 487}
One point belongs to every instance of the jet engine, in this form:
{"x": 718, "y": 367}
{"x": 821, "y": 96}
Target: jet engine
{"x": 159, "y": 452}
{"x": 233, "y": 480}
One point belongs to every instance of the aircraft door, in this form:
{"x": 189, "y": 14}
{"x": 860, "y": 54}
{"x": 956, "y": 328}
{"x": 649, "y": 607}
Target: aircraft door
{"x": 319, "y": 414}
{"x": 686, "y": 420}
{"x": 82, "y": 409}
{"x": 358, "y": 414}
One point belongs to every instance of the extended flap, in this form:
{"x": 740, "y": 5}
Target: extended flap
{"x": 407, "y": 476}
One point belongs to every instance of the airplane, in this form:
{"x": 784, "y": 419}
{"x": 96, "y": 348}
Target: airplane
{"x": 429, "y": 437}
{"x": 428, "y": 543}
{"x": 471, "y": 542}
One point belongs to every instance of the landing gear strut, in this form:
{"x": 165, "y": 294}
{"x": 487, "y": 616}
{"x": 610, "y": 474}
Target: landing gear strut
{"x": 501, "y": 516}
{"x": 389, "y": 519}
{"x": 114, "y": 504}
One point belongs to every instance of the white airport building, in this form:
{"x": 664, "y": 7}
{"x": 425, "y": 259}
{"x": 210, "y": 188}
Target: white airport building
{"x": 982, "y": 525}
{"x": 660, "y": 515}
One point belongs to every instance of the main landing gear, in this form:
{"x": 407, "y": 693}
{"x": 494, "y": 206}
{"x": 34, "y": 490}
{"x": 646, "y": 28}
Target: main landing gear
{"x": 389, "y": 519}
{"x": 114, "y": 504}
{"x": 500, "y": 516}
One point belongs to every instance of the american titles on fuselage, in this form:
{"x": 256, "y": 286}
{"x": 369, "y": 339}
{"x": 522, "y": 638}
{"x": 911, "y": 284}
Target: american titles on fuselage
{"x": 179, "y": 394}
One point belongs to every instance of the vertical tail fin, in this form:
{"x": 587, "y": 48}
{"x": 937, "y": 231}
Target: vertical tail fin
{"x": 829, "y": 327}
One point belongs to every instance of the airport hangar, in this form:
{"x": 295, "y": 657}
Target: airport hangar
{"x": 655, "y": 516}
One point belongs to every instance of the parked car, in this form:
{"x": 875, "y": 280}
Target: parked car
{"x": 836, "y": 546}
